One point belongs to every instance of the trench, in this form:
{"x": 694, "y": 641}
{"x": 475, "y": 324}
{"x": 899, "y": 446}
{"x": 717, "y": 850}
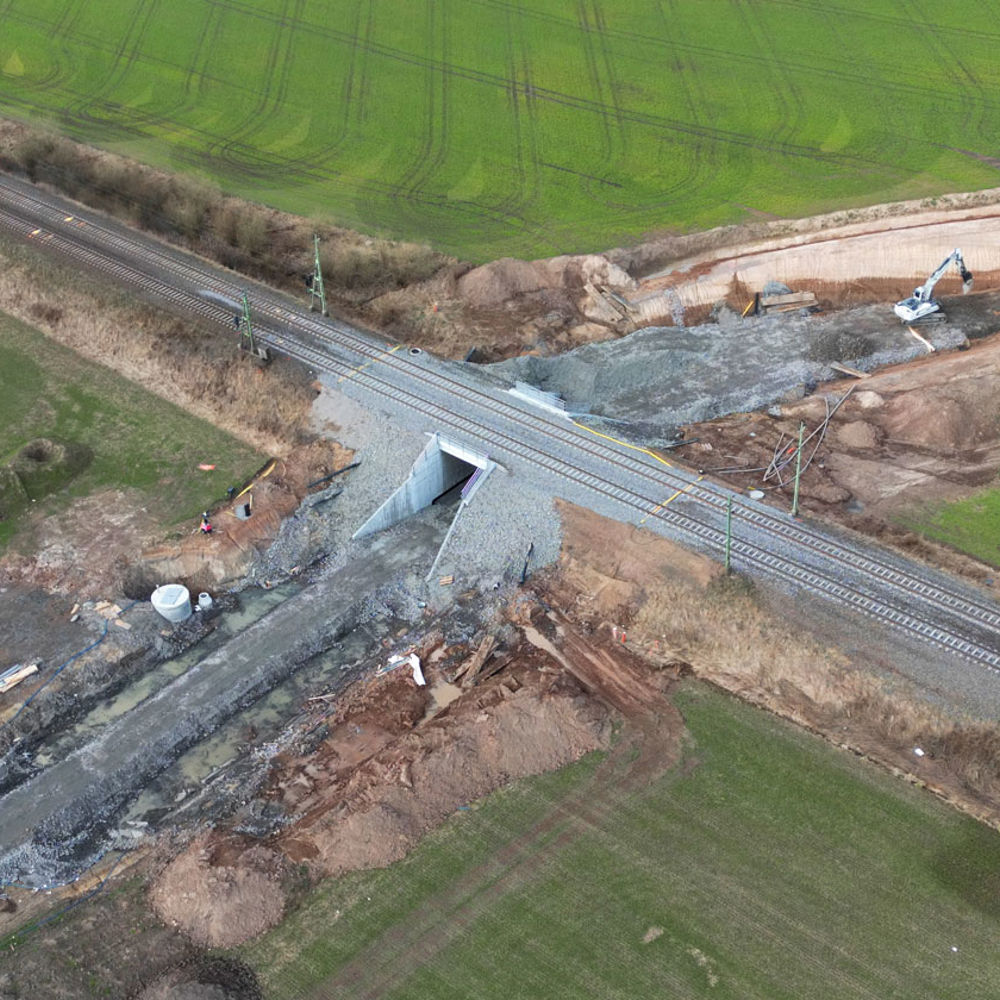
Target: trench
{"x": 253, "y": 605}
{"x": 143, "y": 752}
{"x": 188, "y": 785}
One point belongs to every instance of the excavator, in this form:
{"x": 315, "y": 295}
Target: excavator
{"x": 920, "y": 303}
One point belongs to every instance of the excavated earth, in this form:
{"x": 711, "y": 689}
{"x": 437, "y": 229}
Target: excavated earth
{"x": 542, "y": 683}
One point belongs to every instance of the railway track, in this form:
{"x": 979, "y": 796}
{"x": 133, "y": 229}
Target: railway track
{"x": 914, "y": 599}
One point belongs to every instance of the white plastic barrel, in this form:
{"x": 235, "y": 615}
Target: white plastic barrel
{"x": 172, "y": 601}
{"x": 204, "y": 601}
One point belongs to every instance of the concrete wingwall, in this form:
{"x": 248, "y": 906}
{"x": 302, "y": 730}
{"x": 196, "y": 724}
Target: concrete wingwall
{"x": 441, "y": 466}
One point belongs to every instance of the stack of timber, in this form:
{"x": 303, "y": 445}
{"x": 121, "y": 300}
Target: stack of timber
{"x": 787, "y": 303}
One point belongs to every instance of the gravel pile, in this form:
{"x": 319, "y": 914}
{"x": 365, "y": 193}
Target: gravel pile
{"x": 489, "y": 545}
{"x": 661, "y": 378}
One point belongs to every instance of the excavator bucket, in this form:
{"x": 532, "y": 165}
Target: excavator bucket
{"x": 966, "y": 281}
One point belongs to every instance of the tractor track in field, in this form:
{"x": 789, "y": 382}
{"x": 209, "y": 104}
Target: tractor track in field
{"x": 236, "y": 156}
{"x": 599, "y": 108}
{"x": 919, "y": 603}
{"x": 796, "y": 69}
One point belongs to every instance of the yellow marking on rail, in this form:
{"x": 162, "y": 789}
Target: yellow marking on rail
{"x": 361, "y": 368}
{"x": 34, "y": 232}
{"x": 69, "y": 218}
{"x": 656, "y": 510}
{"x": 624, "y": 444}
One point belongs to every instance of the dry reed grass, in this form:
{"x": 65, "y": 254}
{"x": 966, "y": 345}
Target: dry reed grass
{"x": 196, "y": 368}
{"x": 732, "y": 641}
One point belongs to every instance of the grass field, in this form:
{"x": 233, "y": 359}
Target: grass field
{"x": 769, "y": 865}
{"x": 492, "y": 127}
{"x": 138, "y": 441}
{"x": 971, "y": 525}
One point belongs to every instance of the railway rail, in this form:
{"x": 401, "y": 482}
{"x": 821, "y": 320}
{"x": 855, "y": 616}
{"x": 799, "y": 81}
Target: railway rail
{"x": 914, "y": 599}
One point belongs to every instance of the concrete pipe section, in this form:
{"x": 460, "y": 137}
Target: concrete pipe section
{"x": 173, "y": 602}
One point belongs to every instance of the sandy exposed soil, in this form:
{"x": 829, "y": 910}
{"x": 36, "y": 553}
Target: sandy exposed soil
{"x": 535, "y": 692}
{"x": 916, "y": 433}
{"x": 899, "y": 243}
{"x": 397, "y": 761}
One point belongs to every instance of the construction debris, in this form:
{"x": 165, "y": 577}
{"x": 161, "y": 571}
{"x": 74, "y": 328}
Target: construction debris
{"x": 474, "y": 664}
{"x": 787, "y": 303}
{"x": 923, "y": 340}
{"x": 785, "y": 454}
{"x": 399, "y": 659}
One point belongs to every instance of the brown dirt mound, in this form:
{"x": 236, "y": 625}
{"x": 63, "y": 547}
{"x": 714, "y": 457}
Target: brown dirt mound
{"x": 493, "y": 284}
{"x": 220, "y": 905}
{"x": 910, "y": 434}
{"x": 501, "y": 281}
{"x": 411, "y": 787}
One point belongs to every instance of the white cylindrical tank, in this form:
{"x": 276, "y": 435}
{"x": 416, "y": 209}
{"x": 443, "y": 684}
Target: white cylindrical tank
{"x": 172, "y": 601}
{"x": 204, "y": 601}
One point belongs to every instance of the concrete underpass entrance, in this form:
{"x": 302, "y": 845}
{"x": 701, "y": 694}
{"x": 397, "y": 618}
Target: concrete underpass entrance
{"x": 441, "y": 467}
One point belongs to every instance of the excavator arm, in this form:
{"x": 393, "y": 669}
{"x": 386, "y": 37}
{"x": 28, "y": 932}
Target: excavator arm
{"x": 921, "y": 303}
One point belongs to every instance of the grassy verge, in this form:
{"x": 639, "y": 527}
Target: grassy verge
{"x": 769, "y": 865}
{"x": 138, "y": 441}
{"x": 971, "y": 525}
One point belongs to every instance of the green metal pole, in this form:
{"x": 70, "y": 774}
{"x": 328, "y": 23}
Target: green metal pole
{"x": 246, "y": 326}
{"x": 316, "y": 290}
{"x": 729, "y": 533}
{"x": 798, "y": 472}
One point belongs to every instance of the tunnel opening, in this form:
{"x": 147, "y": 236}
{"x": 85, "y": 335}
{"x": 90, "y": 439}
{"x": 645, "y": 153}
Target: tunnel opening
{"x": 445, "y": 474}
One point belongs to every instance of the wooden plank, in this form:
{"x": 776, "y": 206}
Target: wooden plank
{"x": 15, "y": 675}
{"x": 789, "y": 299}
{"x": 845, "y": 370}
{"x": 474, "y": 664}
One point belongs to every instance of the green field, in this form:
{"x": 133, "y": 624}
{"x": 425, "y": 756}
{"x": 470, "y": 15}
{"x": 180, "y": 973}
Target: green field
{"x": 138, "y": 441}
{"x": 971, "y": 525}
{"x": 769, "y": 865}
{"x": 492, "y": 127}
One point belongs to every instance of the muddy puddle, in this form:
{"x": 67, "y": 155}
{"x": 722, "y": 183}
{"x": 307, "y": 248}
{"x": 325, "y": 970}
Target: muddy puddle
{"x": 248, "y": 734}
{"x": 253, "y": 605}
